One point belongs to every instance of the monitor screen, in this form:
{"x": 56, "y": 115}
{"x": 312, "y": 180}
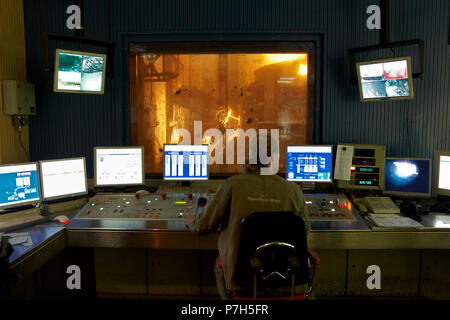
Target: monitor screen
{"x": 19, "y": 185}
{"x": 408, "y": 177}
{"x": 79, "y": 72}
{"x": 309, "y": 163}
{"x": 119, "y": 166}
{"x": 185, "y": 162}
{"x": 385, "y": 79}
{"x": 63, "y": 178}
{"x": 443, "y": 173}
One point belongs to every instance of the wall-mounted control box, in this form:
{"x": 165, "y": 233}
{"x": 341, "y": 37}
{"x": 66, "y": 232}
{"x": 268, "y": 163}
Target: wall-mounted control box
{"x": 18, "y": 98}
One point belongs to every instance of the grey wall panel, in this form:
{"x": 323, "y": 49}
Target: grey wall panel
{"x": 71, "y": 125}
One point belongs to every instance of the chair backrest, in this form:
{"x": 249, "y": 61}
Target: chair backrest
{"x": 274, "y": 238}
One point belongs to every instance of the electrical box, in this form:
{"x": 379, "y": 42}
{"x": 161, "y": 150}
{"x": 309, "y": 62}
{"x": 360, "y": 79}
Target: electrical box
{"x": 18, "y": 98}
{"x": 367, "y": 171}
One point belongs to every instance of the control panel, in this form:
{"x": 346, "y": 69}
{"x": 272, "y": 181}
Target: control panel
{"x": 367, "y": 170}
{"x": 144, "y": 206}
{"x": 328, "y": 207}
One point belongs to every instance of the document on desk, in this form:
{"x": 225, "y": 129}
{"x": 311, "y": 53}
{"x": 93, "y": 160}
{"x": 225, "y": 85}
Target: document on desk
{"x": 22, "y": 238}
{"x": 343, "y": 165}
{"x": 393, "y": 221}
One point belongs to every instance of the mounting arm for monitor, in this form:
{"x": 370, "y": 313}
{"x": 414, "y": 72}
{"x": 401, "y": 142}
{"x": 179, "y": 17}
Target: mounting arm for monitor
{"x": 352, "y": 53}
{"x": 110, "y": 47}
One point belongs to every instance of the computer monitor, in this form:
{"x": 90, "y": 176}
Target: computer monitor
{"x": 19, "y": 185}
{"x": 79, "y": 72}
{"x": 309, "y": 163}
{"x": 185, "y": 162}
{"x": 386, "y": 79}
{"x": 119, "y": 166}
{"x": 63, "y": 178}
{"x": 442, "y": 173}
{"x": 408, "y": 177}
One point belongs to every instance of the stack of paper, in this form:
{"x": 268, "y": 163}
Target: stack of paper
{"x": 393, "y": 221}
{"x": 22, "y": 238}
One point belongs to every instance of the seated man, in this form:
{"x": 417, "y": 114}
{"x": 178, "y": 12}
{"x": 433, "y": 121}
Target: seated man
{"x": 236, "y": 198}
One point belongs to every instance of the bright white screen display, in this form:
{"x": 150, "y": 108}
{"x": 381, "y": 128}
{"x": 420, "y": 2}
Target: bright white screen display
{"x": 444, "y": 172}
{"x": 119, "y": 166}
{"x": 63, "y": 178}
{"x": 185, "y": 162}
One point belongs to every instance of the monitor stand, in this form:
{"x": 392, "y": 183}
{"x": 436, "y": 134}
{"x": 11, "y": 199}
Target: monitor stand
{"x": 186, "y": 183}
{"x": 308, "y": 186}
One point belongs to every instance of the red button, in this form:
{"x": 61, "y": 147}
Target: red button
{"x": 137, "y": 195}
{"x": 190, "y": 196}
{"x": 164, "y": 196}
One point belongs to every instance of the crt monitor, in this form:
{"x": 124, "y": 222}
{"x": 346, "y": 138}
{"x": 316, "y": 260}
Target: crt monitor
{"x": 119, "y": 166}
{"x": 19, "y": 185}
{"x": 185, "y": 162}
{"x": 63, "y": 178}
{"x": 442, "y": 173}
{"x": 385, "y": 79}
{"x": 408, "y": 177}
{"x": 79, "y": 72}
{"x": 309, "y": 163}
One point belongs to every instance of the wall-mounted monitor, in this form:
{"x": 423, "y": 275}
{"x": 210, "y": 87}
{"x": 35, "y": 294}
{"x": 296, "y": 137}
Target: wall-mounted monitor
{"x": 309, "y": 163}
{"x": 119, "y": 166}
{"x": 385, "y": 79}
{"x": 19, "y": 185}
{"x": 63, "y": 178}
{"x": 408, "y": 177}
{"x": 442, "y": 173}
{"x": 79, "y": 72}
{"x": 185, "y": 162}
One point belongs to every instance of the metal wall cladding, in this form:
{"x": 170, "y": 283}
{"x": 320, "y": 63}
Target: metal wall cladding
{"x": 72, "y": 124}
{"x": 12, "y": 67}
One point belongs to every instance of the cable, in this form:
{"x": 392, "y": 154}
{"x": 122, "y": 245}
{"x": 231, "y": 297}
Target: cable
{"x": 21, "y": 144}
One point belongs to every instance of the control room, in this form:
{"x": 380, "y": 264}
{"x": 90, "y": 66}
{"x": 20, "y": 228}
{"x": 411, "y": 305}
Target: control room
{"x": 225, "y": 150}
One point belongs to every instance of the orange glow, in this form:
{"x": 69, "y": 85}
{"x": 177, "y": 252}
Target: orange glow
{"x": 303, "y": 70}
{"x": 275, "y": 58}
{"x": 349, "y": 205}
{"x": 232, "y": 117}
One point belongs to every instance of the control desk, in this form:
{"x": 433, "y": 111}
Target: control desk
{"x": 178, "y": 206}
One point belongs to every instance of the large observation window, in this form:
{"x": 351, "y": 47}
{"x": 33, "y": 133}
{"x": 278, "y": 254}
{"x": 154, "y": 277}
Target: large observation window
{"x": 220, "y": 86}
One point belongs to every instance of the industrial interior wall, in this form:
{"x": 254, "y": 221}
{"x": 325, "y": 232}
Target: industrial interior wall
{"x": 12, "y": 67}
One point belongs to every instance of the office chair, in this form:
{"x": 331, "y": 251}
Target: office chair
{"x": 273, "y": 258}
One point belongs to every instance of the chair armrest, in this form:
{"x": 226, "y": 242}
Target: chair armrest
{"x": 314, "y": 257}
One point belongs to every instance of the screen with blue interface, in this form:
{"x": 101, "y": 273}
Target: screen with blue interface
{"x": 407, "y": 176}
{"x": 309, "y": 163}
{"x": 19, "y": 185}
{"x": 185, "y": 162}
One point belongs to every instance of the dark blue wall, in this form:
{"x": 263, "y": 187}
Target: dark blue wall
{"x": 71, "y": 124}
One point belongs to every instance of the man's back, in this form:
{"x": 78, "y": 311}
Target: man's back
{"x": 238, "y": 197}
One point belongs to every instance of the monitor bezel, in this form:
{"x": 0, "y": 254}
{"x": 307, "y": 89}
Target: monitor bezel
{"x": 70, "y": 195}
{"x": 184, "y": 179}
{"x": 122, "y": 184}
{"x": 310, "y": 181}
{"x": 56, "y": 67}
{"x": 437, "y": 190}
{"x": 410, "y": 82}
{"x": 409, "y": 194}
{"x": 32, "y": 202}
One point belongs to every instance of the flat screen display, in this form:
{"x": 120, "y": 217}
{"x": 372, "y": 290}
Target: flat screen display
{"x": 185, "y": 162}
{"x": 63, "y": 178}
{"x": 385, "y": 79}
{"x": 309, "y": 163}
{"x": 19, "y": 185}
{"x": 443, "y": 183}
{"x": 119, "y": 166}
{"x": 408, "y": 177}
{"x": 79, "y": 72}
